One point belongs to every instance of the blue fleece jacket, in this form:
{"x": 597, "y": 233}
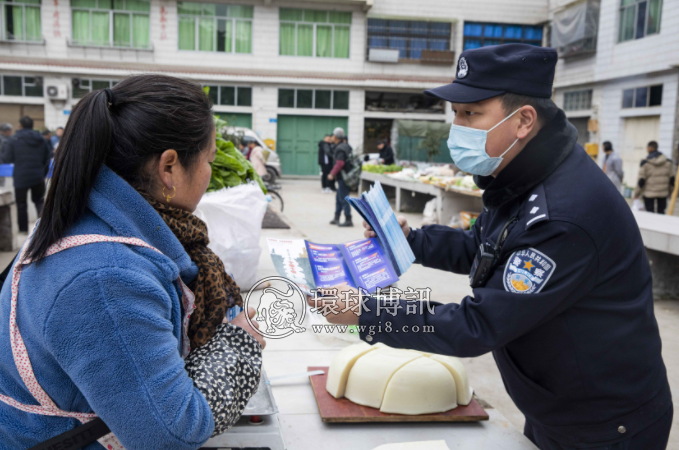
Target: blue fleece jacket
{"x": 102, "y": 326}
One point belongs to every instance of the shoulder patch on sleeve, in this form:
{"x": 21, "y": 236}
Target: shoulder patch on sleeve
{"x": 527, "y": 271}
{"x": 536, "y": 207}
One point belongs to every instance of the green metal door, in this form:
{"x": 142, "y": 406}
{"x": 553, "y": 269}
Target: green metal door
{"x": 237, "y": 119}
{"x": 297, "y": 144}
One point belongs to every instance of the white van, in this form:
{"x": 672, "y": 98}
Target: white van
{"x": 273, "y": 163}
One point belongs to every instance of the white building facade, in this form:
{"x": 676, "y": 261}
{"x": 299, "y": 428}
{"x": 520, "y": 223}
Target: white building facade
{"x": 289, "y": 70}
{"x": 618, "y": 75}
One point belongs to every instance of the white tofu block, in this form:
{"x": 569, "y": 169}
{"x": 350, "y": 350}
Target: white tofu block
{"x": 342, "y": 364}
{"x": 457, "y": 370}
{"x": 421, "y": 445}
{"x": 371, "y": 373}
{"x": 423, "y": 386}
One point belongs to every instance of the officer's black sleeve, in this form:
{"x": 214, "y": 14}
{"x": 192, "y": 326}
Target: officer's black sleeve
{"x": 493, "y": 316}
{"x": 445, "y": 248}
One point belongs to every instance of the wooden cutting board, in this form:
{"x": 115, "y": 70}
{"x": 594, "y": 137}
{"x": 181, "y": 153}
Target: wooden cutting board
{"x": 342, "y": 410}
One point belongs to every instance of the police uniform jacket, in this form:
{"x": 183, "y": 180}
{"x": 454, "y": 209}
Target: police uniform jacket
{"x": 568, "y": 308}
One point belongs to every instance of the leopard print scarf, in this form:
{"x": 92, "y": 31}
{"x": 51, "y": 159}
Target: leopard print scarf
{"x": 214, "y": 289}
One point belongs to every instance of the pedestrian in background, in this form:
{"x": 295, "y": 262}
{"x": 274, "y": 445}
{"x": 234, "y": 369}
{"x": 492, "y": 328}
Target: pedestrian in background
{"x": 656, "y": 179}
{"x": 31, "y": 155}
{"x": 341, "y": 155}
{"x": 386, "y": 152}
{"x": 56, "y": 137}
{"x": 5, "y": 133}
{"x": 47, "y": 136}
{"x": 255, "y": 154}
{"x": 325, "y": 160}
{"x": 613, "y": 166}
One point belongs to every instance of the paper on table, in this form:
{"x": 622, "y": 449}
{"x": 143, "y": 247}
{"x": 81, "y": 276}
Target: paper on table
{"x": 419, "y": 445}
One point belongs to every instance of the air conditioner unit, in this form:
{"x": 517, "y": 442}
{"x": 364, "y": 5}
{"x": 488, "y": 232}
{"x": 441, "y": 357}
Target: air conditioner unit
{"x": 57, "y": 92}
{"x": 386, "y": 55}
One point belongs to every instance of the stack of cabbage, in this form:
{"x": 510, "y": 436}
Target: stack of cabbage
{"x": 398, "y": 381}
{"x": 230, "y": 168}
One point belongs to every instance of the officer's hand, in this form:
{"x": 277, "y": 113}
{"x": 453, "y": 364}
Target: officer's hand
{"x": 241, "y": 321}
{"x": 338, "y": 304}
{"x": 369, "y": 233}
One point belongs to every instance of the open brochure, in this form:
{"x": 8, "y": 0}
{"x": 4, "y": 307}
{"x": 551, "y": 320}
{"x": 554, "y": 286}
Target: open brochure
{"x": 358, "y": 263}
{"x": 366, "y": 263}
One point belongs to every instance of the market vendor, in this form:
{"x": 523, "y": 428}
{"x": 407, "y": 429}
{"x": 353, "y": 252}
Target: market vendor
{"x": 97, "y": 316}
{"x": 561, "y": 285}
{"x": 386, "y": 152}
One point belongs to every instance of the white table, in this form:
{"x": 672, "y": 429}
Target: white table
{"x": 659, "y": 232}
{"x": 448, "y": 203}
{"x": 303, "y": 429}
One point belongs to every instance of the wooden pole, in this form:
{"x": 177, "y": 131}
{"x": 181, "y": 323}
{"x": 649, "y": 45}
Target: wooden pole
{"x": 673, "y": 199}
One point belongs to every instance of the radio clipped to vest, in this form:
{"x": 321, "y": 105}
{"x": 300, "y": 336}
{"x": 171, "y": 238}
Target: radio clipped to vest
{"x": 486, "y": 258}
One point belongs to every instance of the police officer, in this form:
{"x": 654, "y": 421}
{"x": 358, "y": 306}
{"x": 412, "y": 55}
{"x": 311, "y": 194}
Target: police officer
{"x": 561, "y": 283}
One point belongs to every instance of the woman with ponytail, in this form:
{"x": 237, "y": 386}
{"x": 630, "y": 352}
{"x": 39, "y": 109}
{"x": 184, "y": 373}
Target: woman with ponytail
{"x": 115, "y": 304}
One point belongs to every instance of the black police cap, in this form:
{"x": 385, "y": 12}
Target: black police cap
{"x": 487, "y": 72}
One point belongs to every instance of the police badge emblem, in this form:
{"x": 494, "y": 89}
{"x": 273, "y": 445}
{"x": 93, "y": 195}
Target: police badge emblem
{"x": 527, "y": 271}
{"x": 463, "y": 68}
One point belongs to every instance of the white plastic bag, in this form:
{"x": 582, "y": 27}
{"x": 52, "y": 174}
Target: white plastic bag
{"x": 638, "y": 205}
{"x": 234, "y": 223}
{"x": 429, "y": 215}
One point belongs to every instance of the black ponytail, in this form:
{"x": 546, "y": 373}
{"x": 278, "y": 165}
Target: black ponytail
{"x": 124, "y": 128}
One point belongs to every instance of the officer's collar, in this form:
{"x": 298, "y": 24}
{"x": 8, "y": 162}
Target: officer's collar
{"x": 538, "y": 159}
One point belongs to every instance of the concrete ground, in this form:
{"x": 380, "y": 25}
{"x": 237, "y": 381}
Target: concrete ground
{"x": 309, "y": 211}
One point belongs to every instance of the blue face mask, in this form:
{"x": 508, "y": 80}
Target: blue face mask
{"x": 468, "y": 149}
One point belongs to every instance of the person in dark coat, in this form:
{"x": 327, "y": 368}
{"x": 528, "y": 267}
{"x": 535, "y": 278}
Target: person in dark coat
{"x": 561, "y": 285}
{"x": 30, "y": 153}
{"x": 386, "y": 153}
{"x": 341, "y": 154}
{"x": 326, "y": 161}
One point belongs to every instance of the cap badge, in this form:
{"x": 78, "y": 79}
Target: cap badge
{"x": 463, "y": 68}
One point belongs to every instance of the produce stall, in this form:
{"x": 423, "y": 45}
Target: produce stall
{"x": 453, "y": 194}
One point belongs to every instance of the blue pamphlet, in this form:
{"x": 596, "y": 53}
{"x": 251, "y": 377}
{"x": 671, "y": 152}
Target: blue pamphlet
{"x": 374, "y": 207}
{"x": 363, "y": 263}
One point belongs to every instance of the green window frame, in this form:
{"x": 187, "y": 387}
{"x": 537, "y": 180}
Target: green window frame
{"x": 314, "y": 33}
{"x": 215, "y": 27}
{"x": 21, "y": 85}
{"x": 111, "y": 23}
{"x": 230, "y": 95}
{"x": 21, "y": 21}
{"x": 83, "y": 86}
{"x": 639, "y": 18}
{"x": 313, "y": 98}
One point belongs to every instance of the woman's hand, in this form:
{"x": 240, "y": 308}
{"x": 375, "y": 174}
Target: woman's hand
{"x": 369, "y": 233}
{"x": 241, "y": 321}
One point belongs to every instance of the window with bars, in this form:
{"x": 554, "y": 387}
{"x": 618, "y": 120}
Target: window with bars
{"x": 408, "y": 36}
{"x": 21, "y": 86}
{"x": 20, "y": 21}
{"x": 482, "y": 34}
{"x": 577, "y": 100}
{"x": 83, "y": 86}
{"x": 230, "y": 95}
{"x": 642, "y": 97}
{"x": 111, "y": 23}
{"x": 309, "y": 32}
{"x": 639, "y": 18}
{"x": 313, "y": 98}
{"x": 211, "y": 27}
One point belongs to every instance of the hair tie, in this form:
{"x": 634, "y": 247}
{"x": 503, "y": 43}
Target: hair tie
{"x": 109, "y": 97}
